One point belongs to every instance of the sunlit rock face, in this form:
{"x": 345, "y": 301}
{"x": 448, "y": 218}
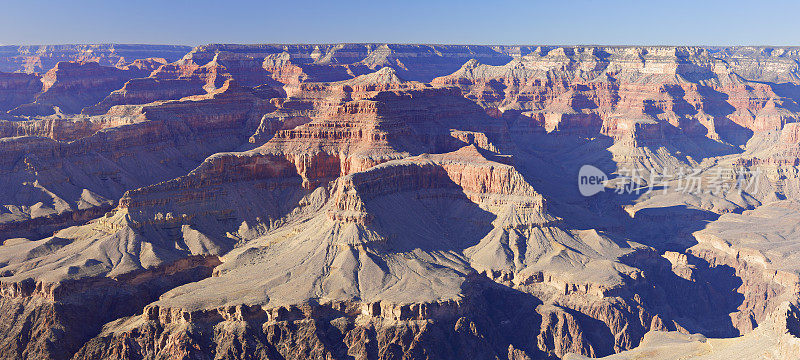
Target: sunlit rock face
{"x": 381, "y": 201}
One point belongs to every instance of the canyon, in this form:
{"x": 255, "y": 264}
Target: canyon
{"x": 394, "y": 201}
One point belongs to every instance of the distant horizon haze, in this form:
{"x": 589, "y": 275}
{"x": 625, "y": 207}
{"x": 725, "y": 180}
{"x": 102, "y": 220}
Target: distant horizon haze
{"x": 398, "y": 43}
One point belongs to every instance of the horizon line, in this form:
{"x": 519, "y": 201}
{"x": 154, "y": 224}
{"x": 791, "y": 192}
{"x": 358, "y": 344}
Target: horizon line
{"x": 399, "y": 43}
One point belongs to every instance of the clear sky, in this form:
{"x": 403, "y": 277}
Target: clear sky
{"x": 673, "y": 22}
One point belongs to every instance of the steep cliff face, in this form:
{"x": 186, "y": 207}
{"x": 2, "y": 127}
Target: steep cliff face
{"x": 17, "y": 89}
{"x": 72, "y": 86}
{"x": 309, "y": 201}
{"x": 144, "y": 91}
{"x": 356, "y": 124}
{"x": 90, "y": 162}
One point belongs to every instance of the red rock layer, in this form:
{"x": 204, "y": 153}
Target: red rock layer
{"x": 362, "y": 122}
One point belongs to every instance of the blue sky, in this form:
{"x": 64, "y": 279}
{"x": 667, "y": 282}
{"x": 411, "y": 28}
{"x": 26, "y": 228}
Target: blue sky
{"x": 674, "y": 22}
